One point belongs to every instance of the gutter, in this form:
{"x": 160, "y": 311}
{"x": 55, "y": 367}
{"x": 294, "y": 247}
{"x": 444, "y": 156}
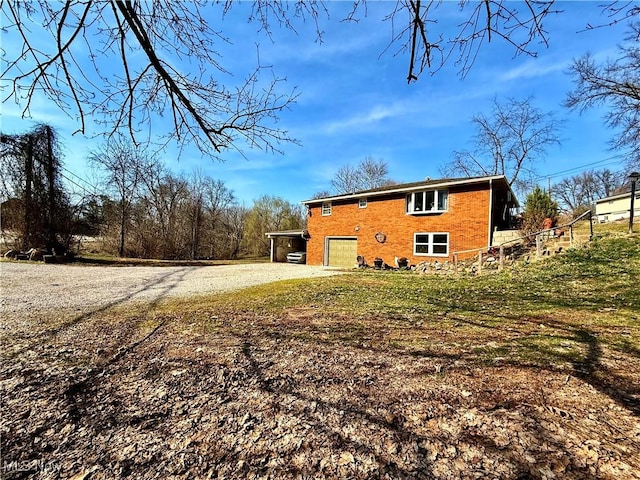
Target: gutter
{"x": 621, "y": 196}
{"x": 490, "y": 212}
{"x": 377, "y": 193}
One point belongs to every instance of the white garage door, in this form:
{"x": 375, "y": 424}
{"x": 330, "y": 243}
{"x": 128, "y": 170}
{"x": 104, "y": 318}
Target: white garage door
{"x": 342, "y": 252}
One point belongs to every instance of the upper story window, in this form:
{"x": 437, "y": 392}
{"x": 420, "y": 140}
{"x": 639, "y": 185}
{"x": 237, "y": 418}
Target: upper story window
{"x": 326, "y": 208}
{"x": 362, "y": 203}
{"x": 430, "y": 201}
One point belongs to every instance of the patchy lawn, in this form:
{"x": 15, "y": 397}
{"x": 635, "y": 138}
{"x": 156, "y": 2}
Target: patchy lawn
{"x": 530, "y": 373}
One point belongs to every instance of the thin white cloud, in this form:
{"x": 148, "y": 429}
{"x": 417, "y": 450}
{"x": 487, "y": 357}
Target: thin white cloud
{"x": 316, "y": 52}
{"x": 369, "y": 117}
{"x": 41, "y": 110}
{"x": 533, "y": 69}
{"x": 423, "y": 110}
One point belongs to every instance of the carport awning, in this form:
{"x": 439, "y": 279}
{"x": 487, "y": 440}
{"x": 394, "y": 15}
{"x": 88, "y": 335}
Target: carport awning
{"x": 288, "y": 233}
{"x": 273, "y": 236}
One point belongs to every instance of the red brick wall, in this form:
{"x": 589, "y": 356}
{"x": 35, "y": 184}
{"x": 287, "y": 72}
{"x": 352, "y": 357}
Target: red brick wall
{"x": 466, "y": 221}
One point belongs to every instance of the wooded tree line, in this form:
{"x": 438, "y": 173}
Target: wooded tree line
{"x": 139, "y": 208}
{"x": 149, "y": 211}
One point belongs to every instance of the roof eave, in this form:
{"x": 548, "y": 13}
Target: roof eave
{"x": 376, "y": 193}
{"x": 613, "y": 197}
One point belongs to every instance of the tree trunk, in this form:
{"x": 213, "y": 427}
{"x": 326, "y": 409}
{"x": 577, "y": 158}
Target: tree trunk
{"x": 122, "y": 230}
{"x": 51, "y": 221}
{"x": 195, "y": 230}
{"x": 28, "y": 214}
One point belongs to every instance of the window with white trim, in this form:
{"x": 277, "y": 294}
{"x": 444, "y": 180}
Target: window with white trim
{"x": 432, "y": 244}
{"x": 362, "y": 203}
{"x": 326, "y": 209}
{"x": 429, "y": 201}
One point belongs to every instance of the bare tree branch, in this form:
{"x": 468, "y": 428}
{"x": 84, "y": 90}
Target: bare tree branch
{"x": 520, "y": 24}
{"x": 507, "y": 142}
{"x": 577, "y": 193}
{"x": 616, "y": 83}
{"x": 124, "y": 91}
{"x": 203, "y": 110}
{"x": 368, "y": 174}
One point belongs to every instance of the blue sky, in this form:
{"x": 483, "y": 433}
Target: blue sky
{"x": 354, "y": 101}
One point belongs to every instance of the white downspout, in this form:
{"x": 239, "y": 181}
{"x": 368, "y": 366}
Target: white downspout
{"x": 490, "y": 211}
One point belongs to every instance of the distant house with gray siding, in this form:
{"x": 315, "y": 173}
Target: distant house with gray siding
{"x": 617, "y": 207}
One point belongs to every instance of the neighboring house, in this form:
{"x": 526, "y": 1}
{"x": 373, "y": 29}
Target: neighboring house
{"x": 617, "y": 207}
{"x": 429, "y": 220}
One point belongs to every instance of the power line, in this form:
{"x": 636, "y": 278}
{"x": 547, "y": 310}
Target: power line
{"x": 5, "y": 139}
{"x": 78, "y": 177}
{"x": 605, "y": 161}
{"x": 76, "y": 184}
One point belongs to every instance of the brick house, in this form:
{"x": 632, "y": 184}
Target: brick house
{"x": 429, "y": 220}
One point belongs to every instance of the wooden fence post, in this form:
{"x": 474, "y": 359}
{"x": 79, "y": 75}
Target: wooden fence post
{"x": 479, "y": 262}
{"x": 501, "y": 264}
{"x": 571, "y": 235}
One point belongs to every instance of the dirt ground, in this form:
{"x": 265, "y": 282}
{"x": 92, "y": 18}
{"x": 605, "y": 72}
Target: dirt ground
{"x": 95, "y": 395}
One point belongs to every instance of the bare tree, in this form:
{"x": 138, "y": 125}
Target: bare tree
{"x": 368, "y": 174}
{"x": 507, "y": 142}
{"x": 124, "y": 167}
{"x": 141, "y": 38}
{"x": 616, "y": 83}
{"x": 136, "y": 82}
{"x": 167, "y": 199}
{"x": 346, "y": 180}
{"x": 31, "y": 177}
{"x": 235, "y": 222}
{"x": 221, "y": 219}
{"x": 196, "y": 192}
{"x": 576, "y": 194}
{"x": 374, "y": 173}
{"x": 269, "y": 214}
{"x": 321, "y": 194}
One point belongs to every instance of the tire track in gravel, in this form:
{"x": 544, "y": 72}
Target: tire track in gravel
{"x": 38, "y": 301}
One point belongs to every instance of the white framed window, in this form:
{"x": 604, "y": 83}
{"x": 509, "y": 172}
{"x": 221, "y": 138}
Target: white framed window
{"x": 326, "y": 209}
{"x": 429, "y": 201}
{"x": 362, "y": 203}
{"x": 431, "y": 244}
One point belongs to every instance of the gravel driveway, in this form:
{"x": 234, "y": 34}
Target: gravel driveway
{"x": 26, "y": 288}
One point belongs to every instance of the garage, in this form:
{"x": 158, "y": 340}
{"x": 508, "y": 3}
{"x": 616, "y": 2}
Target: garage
{"x": 341, "y": 252}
